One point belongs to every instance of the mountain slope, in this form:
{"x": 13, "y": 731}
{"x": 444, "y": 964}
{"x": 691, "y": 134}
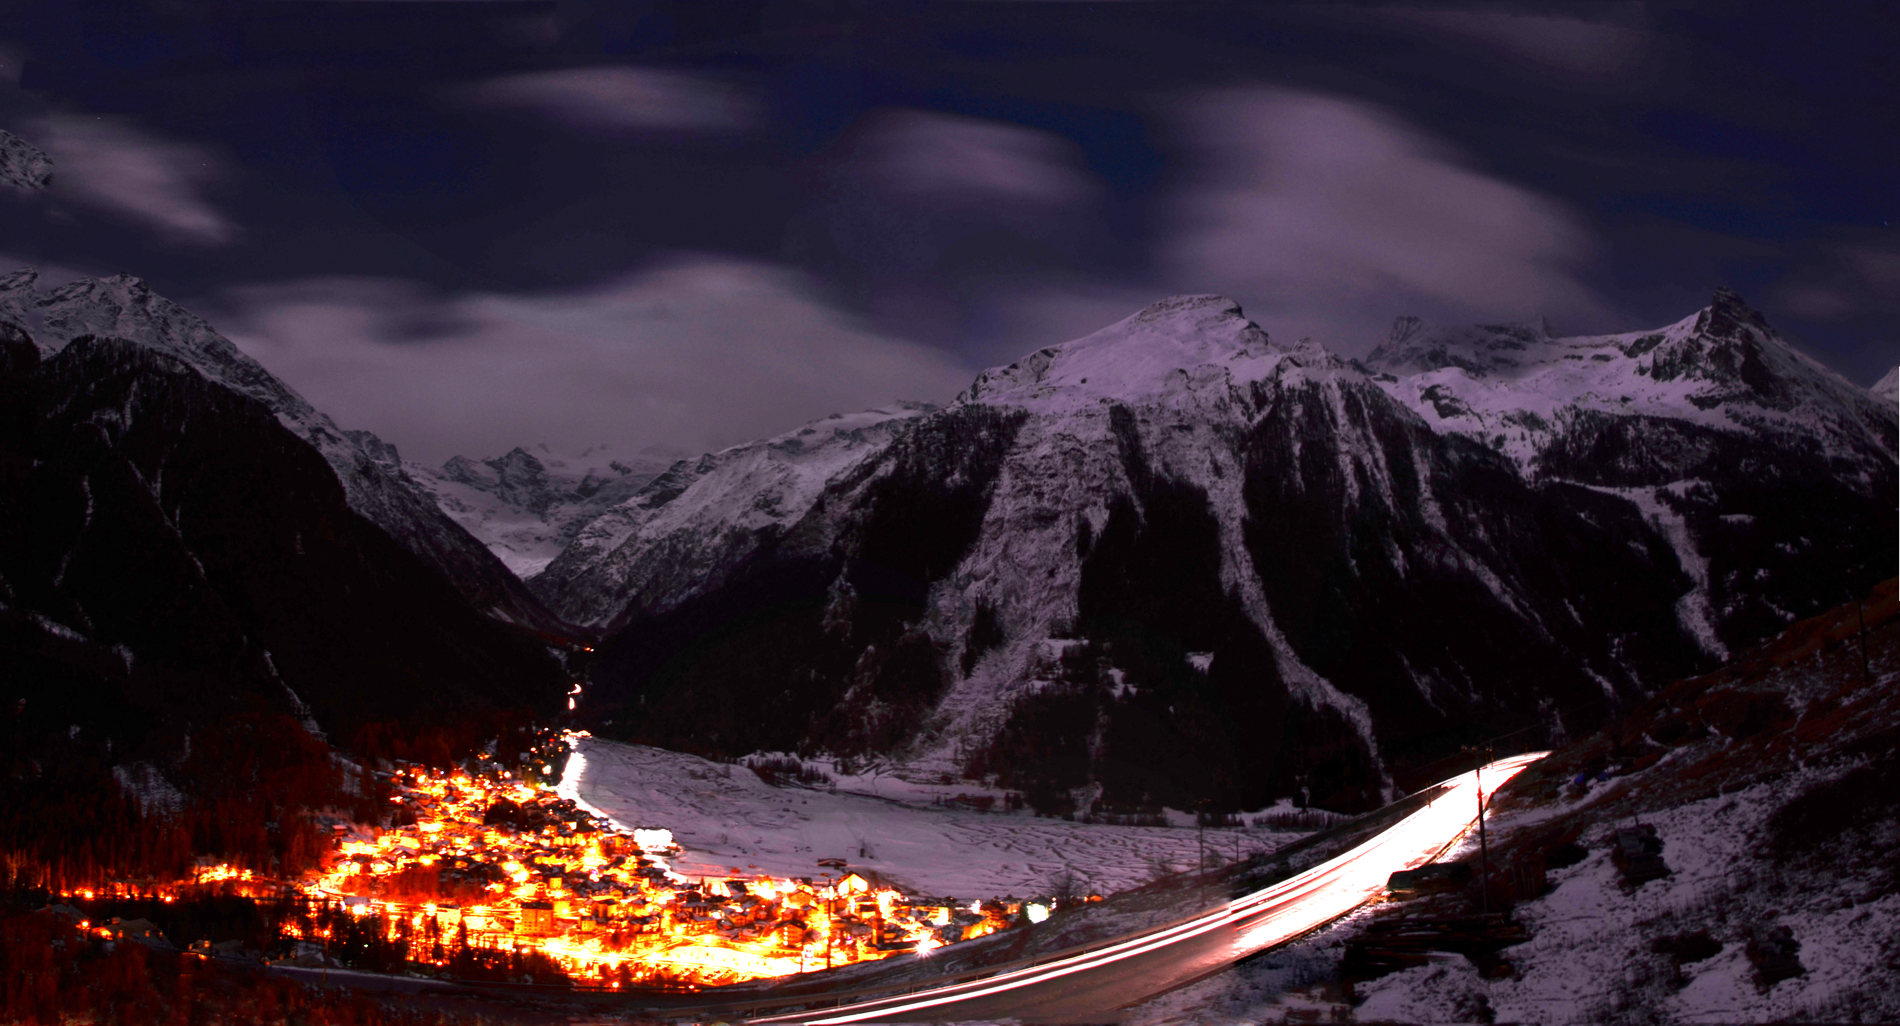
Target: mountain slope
{"x": 370, "y": 472}
{"x": 175, "y": 555}
{"x": 1175, "y": 552}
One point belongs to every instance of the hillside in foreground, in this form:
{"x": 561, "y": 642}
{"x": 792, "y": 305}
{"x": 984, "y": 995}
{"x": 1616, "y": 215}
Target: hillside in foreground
{"x": 1767, "y": 891}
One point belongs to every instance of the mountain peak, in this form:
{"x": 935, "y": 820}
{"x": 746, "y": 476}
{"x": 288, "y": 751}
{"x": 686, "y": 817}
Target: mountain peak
{"x": 1728, "y": 311}
{"x": 1196, "y": 306}
{"x": 1134, "y": 356}
{"x": 22, "y": 164}
{"x": 1887, "y": 389}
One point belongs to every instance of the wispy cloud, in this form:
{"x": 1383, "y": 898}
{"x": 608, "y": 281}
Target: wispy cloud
{"x": 698, "y": 354}
{"x": 614, "y": 99}
{"x": 1608, "y": 45}
{"x": 112, "y": 165}
{"x": 955, "y": 162}
{"x": 1848, "y": 280}
{"x": 1327, "y": 216}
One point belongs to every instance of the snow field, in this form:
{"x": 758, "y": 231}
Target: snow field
{"x": 726, "y": 818}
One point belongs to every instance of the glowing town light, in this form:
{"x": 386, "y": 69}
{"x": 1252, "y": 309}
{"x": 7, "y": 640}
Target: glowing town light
{"x": 1037, "y": 913}
{"x": 653, "y": 840}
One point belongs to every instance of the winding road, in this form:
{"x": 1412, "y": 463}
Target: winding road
{"x": 1091, "y": 986}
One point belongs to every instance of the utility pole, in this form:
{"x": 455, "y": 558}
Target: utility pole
{"x": 1862, "y": 616}
{"x": 1484, "y": 853}
{"x": 1200, "y": 838}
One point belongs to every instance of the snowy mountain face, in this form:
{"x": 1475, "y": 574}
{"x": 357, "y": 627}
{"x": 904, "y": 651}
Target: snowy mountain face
{"x": 1887, "y": 389}
{"x": 368, "y": 468}
{"x": 1175, "y": 555}
{"x": 23, "y": 165}
{"x": 1739, "y": 449}
{"x": 527, "y": 506}
{"x": 648, "y": 553}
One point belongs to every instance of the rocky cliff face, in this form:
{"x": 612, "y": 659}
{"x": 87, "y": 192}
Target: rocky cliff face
{"x": 1176, "y": 556}
{"x": 370, "y": 473}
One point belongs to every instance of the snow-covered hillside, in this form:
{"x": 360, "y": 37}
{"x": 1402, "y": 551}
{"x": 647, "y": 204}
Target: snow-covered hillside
{"x": 527, "y": 505}
{"x": 1887, "y": 389}
{"x": 369, "y": 469}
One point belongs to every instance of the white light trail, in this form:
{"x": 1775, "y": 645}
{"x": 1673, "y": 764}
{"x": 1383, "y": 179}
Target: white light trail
{"x": 1259, "y": 920}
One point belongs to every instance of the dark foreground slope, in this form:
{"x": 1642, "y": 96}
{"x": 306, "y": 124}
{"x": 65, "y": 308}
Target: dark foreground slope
{"x": 180, "y": 575}
{"x": 1723, "y": 853}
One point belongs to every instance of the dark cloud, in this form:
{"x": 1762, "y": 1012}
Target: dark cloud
{"x": 1600, "y": 43}
{"x": 1327, "y": 216}
{"x": 695, "y": 353}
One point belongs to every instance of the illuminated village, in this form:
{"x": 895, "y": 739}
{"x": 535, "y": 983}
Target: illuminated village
{"x": 492, "y": 862}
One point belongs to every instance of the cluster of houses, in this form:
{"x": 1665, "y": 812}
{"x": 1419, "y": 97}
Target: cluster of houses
{"x": 497, "y": 863}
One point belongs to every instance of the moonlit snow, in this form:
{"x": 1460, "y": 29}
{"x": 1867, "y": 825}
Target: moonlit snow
{"x": 729, "y": 822}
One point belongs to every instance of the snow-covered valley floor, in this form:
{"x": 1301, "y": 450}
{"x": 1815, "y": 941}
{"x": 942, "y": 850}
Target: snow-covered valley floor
{"x": 727, "y": 819}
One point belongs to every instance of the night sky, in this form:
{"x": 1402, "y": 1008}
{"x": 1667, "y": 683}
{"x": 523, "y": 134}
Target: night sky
{"x": 468, "y": 226}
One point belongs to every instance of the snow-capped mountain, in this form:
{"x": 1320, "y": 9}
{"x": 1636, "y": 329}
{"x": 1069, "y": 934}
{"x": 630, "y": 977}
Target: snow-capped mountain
{"x": 1526, "y": 393}
{"x": 1176, "y": 551}
{"x": 371, "y": 473}
{"x": 1887, "y": 389}
{"x": 526, "y": 506}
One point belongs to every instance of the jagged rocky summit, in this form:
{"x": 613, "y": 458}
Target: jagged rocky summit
{"x": 368, "y": 468}
{"x": 527, "y": 506}
{"x": 1177, "y": 557}
{"x": 23, "y": 165}
{"x": 1887, "y": 389}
